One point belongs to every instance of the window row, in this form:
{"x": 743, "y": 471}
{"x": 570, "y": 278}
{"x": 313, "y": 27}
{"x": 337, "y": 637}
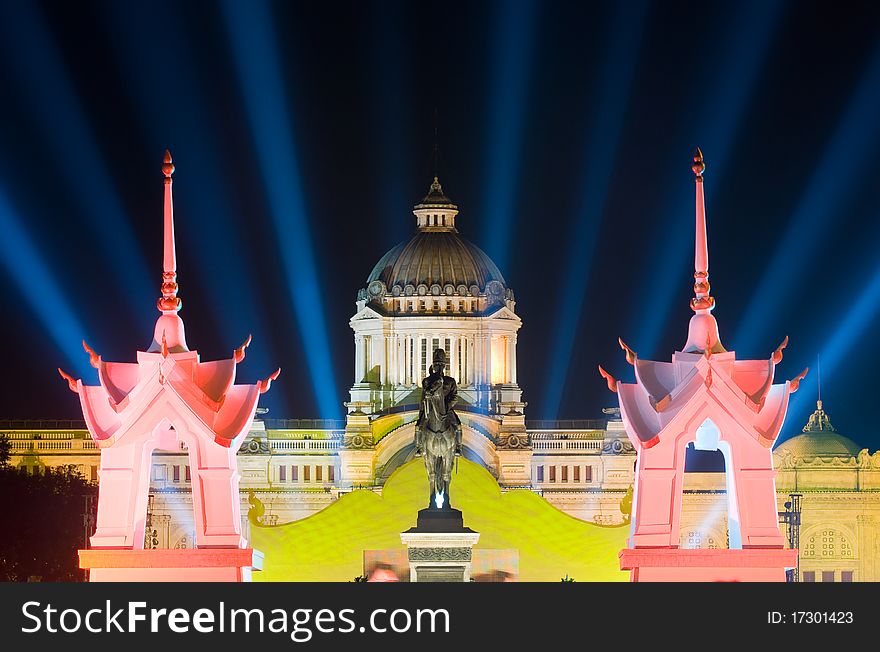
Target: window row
{"x": 828, "y": 576}
{"x": 564, "y": 473}
{"x": 306, "y": 473}
{"x": 179, "y": 473}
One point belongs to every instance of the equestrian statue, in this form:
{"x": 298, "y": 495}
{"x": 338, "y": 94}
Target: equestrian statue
{"x": 438, "y": 430}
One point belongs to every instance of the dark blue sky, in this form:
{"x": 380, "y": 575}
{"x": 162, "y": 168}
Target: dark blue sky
{"x": 303, "y": 134}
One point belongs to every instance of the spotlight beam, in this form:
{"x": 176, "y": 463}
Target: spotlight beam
{"x": 40, "y": 291}
{"x": 600, "y": 149}
{"x": 852, "y": 334}
{"x": 255, "y": 55}
{"x": 855, "y": 140}
{"x": 47, "y": 88}
{"x": 511, "y": 66}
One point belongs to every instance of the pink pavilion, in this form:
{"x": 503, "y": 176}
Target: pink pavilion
{"x": 707, "y": 396}
{"x": 168, "y": 400}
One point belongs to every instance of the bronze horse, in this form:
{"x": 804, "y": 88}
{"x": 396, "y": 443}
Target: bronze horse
{"x": 438, "y": 430}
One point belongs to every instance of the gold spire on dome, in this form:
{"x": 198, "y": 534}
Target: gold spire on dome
{"x": 819, "y": 421}
{"x": 169, "y": 301}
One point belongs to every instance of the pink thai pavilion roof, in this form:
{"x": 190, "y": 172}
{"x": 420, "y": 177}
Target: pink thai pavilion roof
{"x": 168, "y": 375}
{"x": 703, "y": 372}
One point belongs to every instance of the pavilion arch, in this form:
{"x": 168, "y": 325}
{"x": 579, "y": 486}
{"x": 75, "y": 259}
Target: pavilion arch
{"x": 748, "y": 467}
{"x": 396, "y": 448}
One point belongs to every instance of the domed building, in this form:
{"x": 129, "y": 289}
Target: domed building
{"x": 838, "y": 483}
{"x": 436, "y": 290}
{"x": 818, "y": 440}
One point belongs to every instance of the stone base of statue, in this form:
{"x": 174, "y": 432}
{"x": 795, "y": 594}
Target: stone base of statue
{"x": 707, "y": 565}
{"x": 176, "y": 565}
{"x": 440, "y": 547}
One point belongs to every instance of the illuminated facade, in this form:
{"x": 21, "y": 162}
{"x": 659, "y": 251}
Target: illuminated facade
{"x": 413, "y": 301}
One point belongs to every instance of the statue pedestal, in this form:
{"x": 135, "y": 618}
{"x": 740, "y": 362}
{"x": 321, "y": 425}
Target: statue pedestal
{"x": 188, "y": 565}
{"x": 440, "y": 547}
{"x": 707, "y": 565}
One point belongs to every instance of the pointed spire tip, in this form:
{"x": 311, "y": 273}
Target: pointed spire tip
{"x": 699, "y": 165}
{"x": 167, "y": 164}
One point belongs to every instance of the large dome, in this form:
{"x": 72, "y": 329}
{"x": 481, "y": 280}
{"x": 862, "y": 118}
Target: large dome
{"x": 437, "y": 271}
{"x": 819, "y": 439}
{"x": 436, "y": 258}
{"x": 819, "y": 444}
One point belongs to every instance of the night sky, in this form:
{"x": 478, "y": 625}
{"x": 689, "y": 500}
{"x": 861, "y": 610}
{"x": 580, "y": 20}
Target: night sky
{"x": 303, "y": 133}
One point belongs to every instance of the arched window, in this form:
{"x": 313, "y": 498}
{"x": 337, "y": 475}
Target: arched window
{"x": 827, "y": 543}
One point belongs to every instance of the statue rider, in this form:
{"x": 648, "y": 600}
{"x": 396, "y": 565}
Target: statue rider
{"x": 436, "y": 414}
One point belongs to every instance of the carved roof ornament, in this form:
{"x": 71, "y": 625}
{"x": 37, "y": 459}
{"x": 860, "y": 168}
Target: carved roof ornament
{"x": 819, "y": 421}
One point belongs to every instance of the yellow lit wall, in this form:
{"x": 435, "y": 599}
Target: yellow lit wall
{"x": 329, "y": 545}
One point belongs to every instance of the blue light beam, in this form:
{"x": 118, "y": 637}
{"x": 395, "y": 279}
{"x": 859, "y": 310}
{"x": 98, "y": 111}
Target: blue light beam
{"x": 511, "y": 65}
{"x": 46, "y": 86}
{"x": 600, "y": 149}
{"x": 847, "y": 340}
{"x": 36, "y": 285}
{"x": 254, "y": 45}
{"x": 855, "y": 139}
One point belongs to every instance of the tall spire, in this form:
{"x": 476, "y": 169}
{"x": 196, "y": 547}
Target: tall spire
{"x": 702, "y": 301}
{"x": 169, "y": 335}
{"x": 703, "y": 329}
{"x": 169, "y": 301}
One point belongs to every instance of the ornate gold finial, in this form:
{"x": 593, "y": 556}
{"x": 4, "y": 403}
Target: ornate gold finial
{"x": 167, "y": 165}
{"x": 699, "y": 166}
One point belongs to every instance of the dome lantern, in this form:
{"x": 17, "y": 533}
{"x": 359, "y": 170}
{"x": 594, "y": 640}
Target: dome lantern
{"x": 435, "y": 212}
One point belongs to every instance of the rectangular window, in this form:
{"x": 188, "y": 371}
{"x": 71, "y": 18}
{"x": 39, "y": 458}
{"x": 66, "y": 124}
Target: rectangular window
{"x": 447, "y": 346}
{"x": 368, "y": 363}
{"x": 186, "y": 476}
{"x": 176, "y": 471}
{"x": 94, "y": 474}
{"x": 460, "y": 367}
{"x": 552, "y": 474}
{"x": 827, "y": 576}
{"x": 330, "y": 474}
{"x": 809, "y": 576}
{"x": 565, "y": 474}
{"x": 464, "y": 374}
{"x": 424, "y": 367}
{"x": 306, "y": 470}
{"x": 540, "y": 474}
{"x": 294, "y": 473}
{"x": 588, "y": 474}
{"x": 318, "y": 473}
{"x": 577, "y": 474}
{"x": 159, "y": 472}
{"x": 435, "y": 343}
{"x": 282, "y": 473}
{"x": 846, "y": 576}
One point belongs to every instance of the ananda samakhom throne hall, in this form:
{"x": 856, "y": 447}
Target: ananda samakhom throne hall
{"x": 438, "y": 290}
